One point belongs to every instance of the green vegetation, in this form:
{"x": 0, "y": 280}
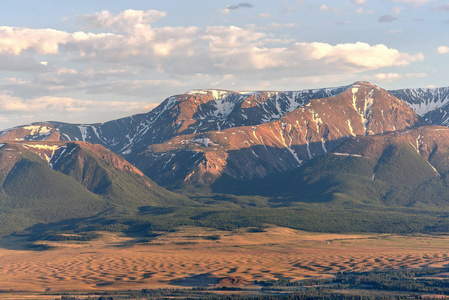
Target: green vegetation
{"x": 84, "y": 236}
{"x": 331, "y": 193}
{"x": 417, "y": 281}
{"x": 84, "y": 185}
{"x": 388, "y": 284}
{"x": 95, "y": 170}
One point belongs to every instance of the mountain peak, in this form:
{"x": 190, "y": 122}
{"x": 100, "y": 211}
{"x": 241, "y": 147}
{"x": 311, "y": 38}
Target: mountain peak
{"x": 280, "y": 144}
{"x": 216, "y": 94}
{"x": 363, "y": 83}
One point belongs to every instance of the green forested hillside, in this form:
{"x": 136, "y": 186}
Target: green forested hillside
{"x": 107, "y": 174}
{"x": 369, "y": 184}
{"x": 84, "y": 183}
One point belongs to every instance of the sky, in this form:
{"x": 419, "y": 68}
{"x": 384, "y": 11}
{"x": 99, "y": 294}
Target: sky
{"x": 94, "y": 61}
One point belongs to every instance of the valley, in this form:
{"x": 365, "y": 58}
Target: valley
{"x": 248, "y": 150}
{"x": 217, "y": 192}
{"x": 195, "y": 257}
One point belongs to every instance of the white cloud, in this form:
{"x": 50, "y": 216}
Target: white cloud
{"x": 389, "y": 77}
{"x": 274, "y": 25}
{"x": 443, "y": 50}
{"x": 361, "y": 11}
{"x": 323, "y": 8}
{"x": 217, "y": 49}
{"x": 413, "y": 2}
{"x": 358, "y": 55}
{"x": 397, "y": 10}
{"x": 127, "y": 55}
{"x": 11, "y": 103}
{"x": 20, "y": 63}
{"x": 264, "y": 15}
{"x": 358, "y": 2}
{"x": 128, "y": 20}
{"x": 14, "y": 80}
{"x": 394, "y": 31}
{"x": 14, "y": 40}
{"x": 222, "y": 37}
{"x": 189, "y": 49}
{"x": 64, "y": 109}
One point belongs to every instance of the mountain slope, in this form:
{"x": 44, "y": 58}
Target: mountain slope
{"x": 216, "y": 132}
{"x": 107, "y": 174}
{"x": 351, "y": 159}
{"x": 195, "y": 111}
{"x": 402, "y": 169}
{"x": 32, "y": 192}
{"x": 277, "y": 146}
{"x": 430, "y": 103}
{"x": 54, "y": 181}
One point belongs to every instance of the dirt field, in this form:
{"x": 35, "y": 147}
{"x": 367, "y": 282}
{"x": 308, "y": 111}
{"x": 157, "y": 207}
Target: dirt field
{"x": 191, "y": 257}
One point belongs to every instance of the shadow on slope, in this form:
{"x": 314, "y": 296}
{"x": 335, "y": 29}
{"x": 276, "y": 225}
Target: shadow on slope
{"x": 391, "y": 179}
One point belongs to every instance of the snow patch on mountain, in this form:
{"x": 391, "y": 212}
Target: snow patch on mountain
{"x": 216, "y": 94}
{"x": 351, "y": 130}
{"x": 83, "y": 130}
{"x": 96, "y": 132}
{"x": 347, "y": 154}
{"x": 57, "y": 155}
{"x": 205, "y": 141}
{"x": 217, "y": 110}
{"x": 425, "y": 107}
{"x": 38, "y": 129}
{"x": 223, "y": 107}
{"x": 424, "y": 100}
{"x": 47, "y": 150}
{"x": 247, "y": 93}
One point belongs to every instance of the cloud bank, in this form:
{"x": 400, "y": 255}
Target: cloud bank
{"x": 125, "y": 54}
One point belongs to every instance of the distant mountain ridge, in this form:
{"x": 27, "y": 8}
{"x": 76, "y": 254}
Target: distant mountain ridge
{"x": 430, "y": 103}
{"x": 249, "y": 152}
{"x": 181, "y": 133}
{"x": 195, "y": 111}
{"x": 243, "y": 159}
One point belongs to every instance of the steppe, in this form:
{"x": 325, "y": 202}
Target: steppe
{"x": 199, "y": 257}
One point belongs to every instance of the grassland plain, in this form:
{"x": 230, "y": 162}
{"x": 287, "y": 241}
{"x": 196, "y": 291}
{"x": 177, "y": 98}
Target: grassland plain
{"x": 193, "y": 257}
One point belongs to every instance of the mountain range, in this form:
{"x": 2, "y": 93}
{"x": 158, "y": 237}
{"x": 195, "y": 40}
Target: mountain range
{"x": 351, "y": 146}
{"x": 206, "y": 128}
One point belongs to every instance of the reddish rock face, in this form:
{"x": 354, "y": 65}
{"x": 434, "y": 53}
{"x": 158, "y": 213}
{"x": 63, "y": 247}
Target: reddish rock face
{"x": 56, "y": 153}
{"x": 204, "y": 134}
{"x": 284, "y": 144}
{"x": 42, "y": 131}
{"x": 194, "y": 112}
{"x": 109, "y": 157}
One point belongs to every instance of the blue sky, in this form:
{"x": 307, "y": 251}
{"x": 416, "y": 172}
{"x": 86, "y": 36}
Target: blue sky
{"x": 93, "y": 61}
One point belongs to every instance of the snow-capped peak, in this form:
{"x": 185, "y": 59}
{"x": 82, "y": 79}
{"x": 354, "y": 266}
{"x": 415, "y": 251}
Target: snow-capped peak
{"x": 424, "y": 100}
{"x": 216, "y": 94}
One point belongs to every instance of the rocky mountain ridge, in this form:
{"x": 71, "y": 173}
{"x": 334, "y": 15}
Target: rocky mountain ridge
{"x": 430, "y": 103}
{"x": 204, "y": 134}
{"x": 294, "y": 159}
{"x": 195, "y": 111}
{"x": 249, "y": 152}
